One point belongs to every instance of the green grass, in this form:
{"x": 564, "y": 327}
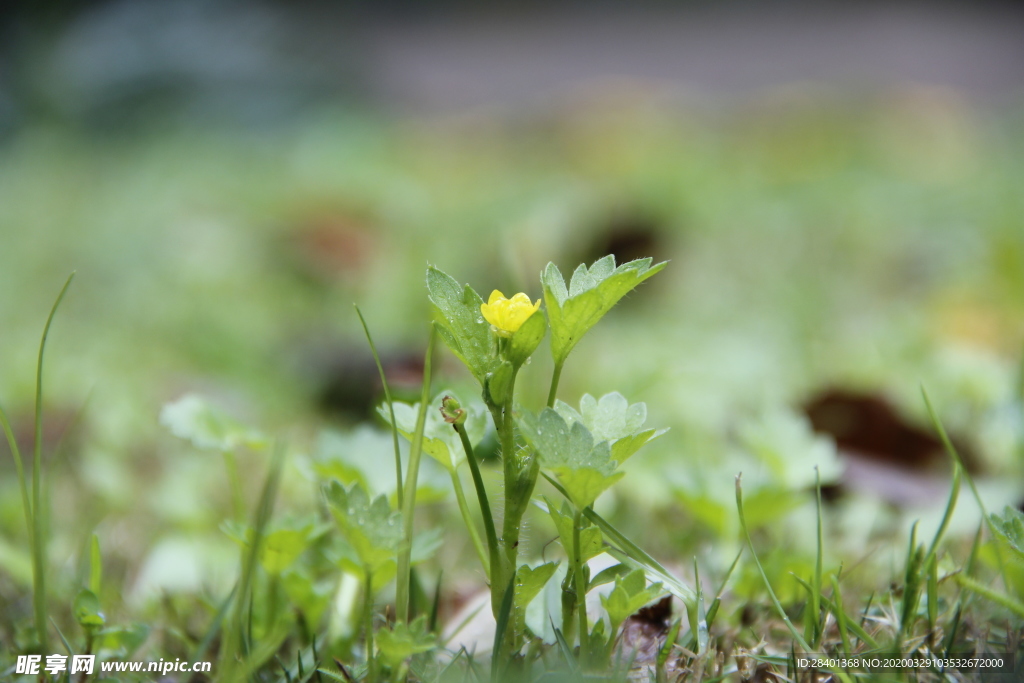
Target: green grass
{"x": 797, "y": 262}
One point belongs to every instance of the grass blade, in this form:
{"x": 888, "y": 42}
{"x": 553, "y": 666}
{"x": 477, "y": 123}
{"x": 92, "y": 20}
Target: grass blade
{"x": 391, "y": 406}
{"x": 771, "y": 593}
{"x": 698, "y": 617}
{"x": 563, "y": 647}
{"x": 990, "y": 594}
{"x": 409, "y": 502}
{"x": 816, "y": 614}
{"x": 19, "y": 467}
{"x": 717, "y": 602}
{"x": 840, "y": 611}
{"x": 39, "y": 541}
{"x": 857, "y": 629}
{"x": 235, "y": 634}
{"x": 214, "y": 628}
{"x": 628, "y": 552}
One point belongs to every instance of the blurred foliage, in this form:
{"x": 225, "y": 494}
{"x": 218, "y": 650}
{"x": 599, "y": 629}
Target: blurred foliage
{"x": 812, "y": 245}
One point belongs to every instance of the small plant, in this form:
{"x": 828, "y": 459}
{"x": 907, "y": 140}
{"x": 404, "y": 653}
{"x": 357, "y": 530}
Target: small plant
{"x": 579, "y": 451}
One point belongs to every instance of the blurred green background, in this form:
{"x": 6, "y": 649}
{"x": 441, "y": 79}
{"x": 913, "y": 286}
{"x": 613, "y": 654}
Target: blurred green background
{"x": 838, "y": 192}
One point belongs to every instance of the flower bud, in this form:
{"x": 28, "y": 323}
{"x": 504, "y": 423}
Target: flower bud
{"x": 452, "y": 411}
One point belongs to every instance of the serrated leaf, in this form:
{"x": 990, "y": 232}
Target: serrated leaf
{"x": 404, "y": 640}
{"x": 440, "y": 440}
{"x": 87, "y": 610}
{"x": 461, "y": 324}
{"x": 372, "y": 529}
{"x": 631, "y": 592}
{"x": 592, "y": 292}
{"x": 342, "y": 554}
{"x": 584, "y": 484}
{"x": 526, "y": 339}
{"x": 1010, "y": 528}
{"x": 611, "y": 418}
{"x": 529, "y": 583}
{"x": 591, "y": 540}
{"x": 208, "y": 428}
{"x": 584, "y": 468}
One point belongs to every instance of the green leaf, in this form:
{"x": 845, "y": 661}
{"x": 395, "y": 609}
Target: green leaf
{"x": 440, "y": 440}
{"x": 281, "y": 548}
{"x": 585, "y": 470}
{"x": 591, "y": 541}
{"x": 631, "y": 592}
{"x": 461, "y": 324}
{"x": 611, "y": 418}
{"x": 87, "y": 610}
{"x": 356, "y": 456}
{"x": 372, "y": 529}
{"x": 529, "y": 582}
{"x": 591, "y": 293}
{"x": 499, "y": 381}
{"x": 526, "y": 339}
{"x": 207, "y": 427}
{"x": 404, "y": 640}
{"x": 312, "y": 597}
{"x": 608, "y": 575}
{"x": 343, "y": 554}
{"x": 1010, "y": 528}
{"x": 121, "y": 641}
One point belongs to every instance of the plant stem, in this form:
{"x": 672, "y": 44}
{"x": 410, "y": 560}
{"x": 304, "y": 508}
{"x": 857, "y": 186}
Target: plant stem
{"x": 818, "y": 628}
{"x": 581, "y": 589}
{"x": 391, "y": 407}
{"x": 409, "y": 501}
{"x": 474, "y": 535}
{"x": 481, "y": 495}
{"x": 555, "y": 377}
{"x": 510, "y": 526}
{"x": 38, "y": 518}
{"x": 371, "y": 660}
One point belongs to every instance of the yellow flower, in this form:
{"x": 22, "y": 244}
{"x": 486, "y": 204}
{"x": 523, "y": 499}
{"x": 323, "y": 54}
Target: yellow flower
{"x": 508, "y": 315}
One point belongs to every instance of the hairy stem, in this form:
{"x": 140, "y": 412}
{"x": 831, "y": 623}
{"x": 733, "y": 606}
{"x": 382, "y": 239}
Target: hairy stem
{"x": 510, "y": 527}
